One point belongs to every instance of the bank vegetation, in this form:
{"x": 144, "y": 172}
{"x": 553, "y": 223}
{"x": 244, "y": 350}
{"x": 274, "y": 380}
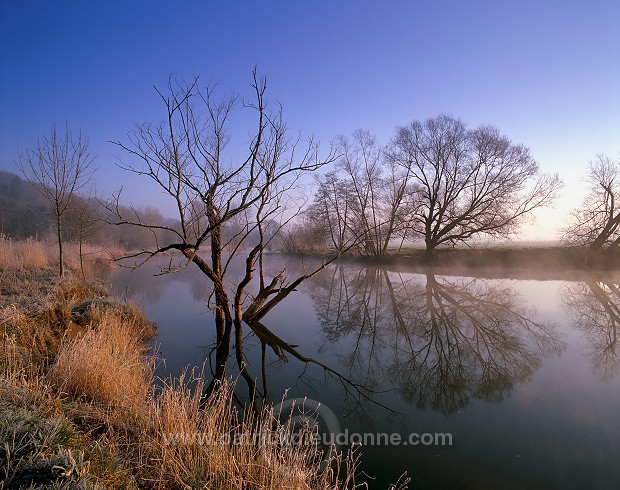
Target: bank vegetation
{"x": 80, "y": 406}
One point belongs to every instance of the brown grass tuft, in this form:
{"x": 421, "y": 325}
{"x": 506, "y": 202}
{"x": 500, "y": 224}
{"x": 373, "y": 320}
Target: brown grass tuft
{"x": 105, "y": 364}
{"x": 35, "y": 309}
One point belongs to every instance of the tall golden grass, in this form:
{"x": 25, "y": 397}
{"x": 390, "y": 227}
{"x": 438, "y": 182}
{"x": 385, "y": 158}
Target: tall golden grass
{"x": 25, "y": 254}
{"x": 260, "y": 457}
{"x": 30, "y": 254}
{"x": 105, "y": 363}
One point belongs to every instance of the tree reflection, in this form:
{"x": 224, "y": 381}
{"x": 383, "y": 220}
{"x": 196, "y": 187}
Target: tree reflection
{"x": 440, "y": 341}
{"x": 594, "y": 306}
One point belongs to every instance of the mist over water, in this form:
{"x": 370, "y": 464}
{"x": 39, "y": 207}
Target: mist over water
{"x": 524, "y": 374}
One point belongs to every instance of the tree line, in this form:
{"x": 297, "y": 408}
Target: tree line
{"x": 439, "y": 182}
{"x": 436, "y": 181}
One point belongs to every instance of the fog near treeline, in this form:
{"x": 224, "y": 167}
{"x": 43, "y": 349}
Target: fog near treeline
{"x": 26, "y": 214}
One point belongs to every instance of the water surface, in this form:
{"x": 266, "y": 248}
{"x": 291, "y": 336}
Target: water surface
{"x": 523, "y": 374}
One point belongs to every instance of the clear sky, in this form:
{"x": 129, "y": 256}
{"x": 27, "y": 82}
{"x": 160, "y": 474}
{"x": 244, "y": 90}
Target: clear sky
{"x": 545, "y": 72}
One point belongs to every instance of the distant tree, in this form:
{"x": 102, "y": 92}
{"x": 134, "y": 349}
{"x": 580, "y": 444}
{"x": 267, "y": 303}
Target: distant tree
{"x": 333, "y": 212}
{"x": 468, "y": 182}
{"x": 59, "y": 166}
{"x": 365, "y": 197}
{"x": 378, "y": 188}
{"x": 87, "y": 223}
{"x": 305, "y": 236}
{"x": 595, "y": 223}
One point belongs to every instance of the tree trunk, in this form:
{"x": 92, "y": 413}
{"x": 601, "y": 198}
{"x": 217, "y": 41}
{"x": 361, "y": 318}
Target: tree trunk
{"x": 60, "y": 253}
{"x": 82, "y": 258}
{"x": 222, "y": 350}
{"x": 429, "y": 254}
{"x": 223, "y": 316}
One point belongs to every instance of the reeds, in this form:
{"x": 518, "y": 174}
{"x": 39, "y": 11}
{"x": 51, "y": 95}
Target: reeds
{"x": 24, "y": 254}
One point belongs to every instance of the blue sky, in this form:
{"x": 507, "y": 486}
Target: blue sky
{"x": 546, "y": 73}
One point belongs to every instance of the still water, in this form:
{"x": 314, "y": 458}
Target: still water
{"x": 524, "y": 375}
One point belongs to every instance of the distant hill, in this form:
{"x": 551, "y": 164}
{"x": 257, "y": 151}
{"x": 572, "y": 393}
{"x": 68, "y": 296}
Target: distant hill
{"x": 23, "y": 211}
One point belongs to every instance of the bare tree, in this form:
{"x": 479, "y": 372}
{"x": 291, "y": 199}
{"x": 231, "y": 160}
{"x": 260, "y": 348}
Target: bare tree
{"x": 595, "y": 223}
{"x": 378, "y": 188}
{"x": 334, "y": 211}
{"x": 229, "y": 203}
{"x": 468, "y": 182}
{"x": 365, "y": 197}
{"x": 58, "y": 167}
{"x": 87, "y": 224}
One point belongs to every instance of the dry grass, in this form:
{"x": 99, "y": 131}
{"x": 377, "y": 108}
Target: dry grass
{"x": 27, "y": 254}
{"x": 189, "y": 446}
{"x": 107, "y": 368}
{"x": 106, "y": 364}
{"x": 119, "y": 428}
{"x": 35, "y": 310}
{"x": 35, "y": 255}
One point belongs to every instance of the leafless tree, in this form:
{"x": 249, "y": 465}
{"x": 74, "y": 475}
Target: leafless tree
{"x": 214, "y": 186}
{"x": 333, "y": 210}
{"x": 365, "y": 197}
{"x": 595, "y": 223}
{"x": 378, "y": 188}
{"x": 468, "y": 182}
{"x": 59, "y": 167}
{"x": 87, "y": 223}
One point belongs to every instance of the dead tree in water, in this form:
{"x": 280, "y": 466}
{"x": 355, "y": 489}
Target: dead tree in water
{"x": 229, "y": 203}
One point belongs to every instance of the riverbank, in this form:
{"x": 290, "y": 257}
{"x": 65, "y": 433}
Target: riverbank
{"x": 512, "y": 261}
{"x": 79, "y": 407}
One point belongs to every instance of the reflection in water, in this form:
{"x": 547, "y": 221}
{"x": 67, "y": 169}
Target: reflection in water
{"x": 441, "y": 342}
{"x": 140, "y": 283}
{"x": 594, "y": 306}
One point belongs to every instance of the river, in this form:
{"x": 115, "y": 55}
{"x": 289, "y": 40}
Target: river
{"x": 520, "y": 378}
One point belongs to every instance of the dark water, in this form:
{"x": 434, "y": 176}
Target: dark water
{"x": 524, "y": 375}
